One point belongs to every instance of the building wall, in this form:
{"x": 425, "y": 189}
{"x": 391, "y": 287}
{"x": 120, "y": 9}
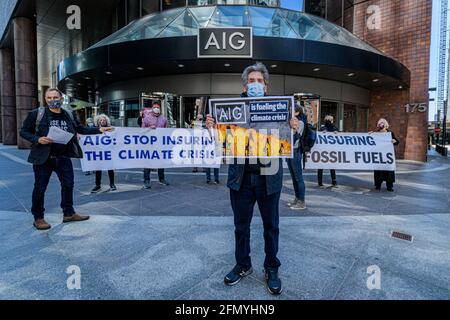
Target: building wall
{"x": 404, "y": 33}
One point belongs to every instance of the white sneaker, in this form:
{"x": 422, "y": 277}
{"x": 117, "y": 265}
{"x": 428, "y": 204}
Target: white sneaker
{"x": 294, "y": 201}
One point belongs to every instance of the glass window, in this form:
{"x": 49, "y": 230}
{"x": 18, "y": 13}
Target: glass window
{"x": 184, "y": 25}
{"x": 114, "y": 113}
{"x": 170, "y": 4}
{"x": 201, "y": 2}
{"x": 149, "y": 6}
{"x": 316, "y": 7}
{"x": 131, "y": 112}
{"x": 300, "y": 22}
{"x": 202, "y": 15}
{"x": 230, "y": 16}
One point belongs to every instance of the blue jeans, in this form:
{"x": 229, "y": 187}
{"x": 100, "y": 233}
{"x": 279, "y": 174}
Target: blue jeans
{"x": 208, "y": 174}
{"x": 42, "y": 173}
{"x": 296, "y": 170}
{"x": 253, "y": 190}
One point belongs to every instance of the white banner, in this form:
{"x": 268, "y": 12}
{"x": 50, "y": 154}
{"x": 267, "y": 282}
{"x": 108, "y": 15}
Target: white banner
{"x": 352, "y": 151}
{"x": 128, "y": 148}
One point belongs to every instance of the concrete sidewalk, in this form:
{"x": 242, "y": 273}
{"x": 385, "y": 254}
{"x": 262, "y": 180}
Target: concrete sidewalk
{"x": 177, "y": 242}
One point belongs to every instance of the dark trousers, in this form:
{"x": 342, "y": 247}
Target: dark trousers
{"x": 253, "y": 190}
{"x": 98, "y": 177}
{"x": 42, "y": 173}
{"x": 147, "y": 174}
{"x": 208, "y": 174}
{"x": 320, "y": 176}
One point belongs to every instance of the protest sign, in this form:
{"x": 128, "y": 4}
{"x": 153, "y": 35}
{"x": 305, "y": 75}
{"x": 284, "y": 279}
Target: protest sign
{"x": 254, "y": 127}
{"x": 127, "y": 148}
{"x": 352, "y": 151}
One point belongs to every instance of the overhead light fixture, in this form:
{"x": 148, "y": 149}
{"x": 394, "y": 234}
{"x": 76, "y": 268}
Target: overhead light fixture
{"x": 140, "y": 68}
{"x": 79, "y": 84}
{"x": 316, "y": 69}
{"x": 227, "y": 65}
{"x": 376, "y": 80}
{"x": 108, "y": 72}
{"x": 351, "y": 74}
{"x": 87, "y": 78}
{"x": 274, "y": 66}
{"x": 181, "y": 65}
{"x": 400, "y": 87}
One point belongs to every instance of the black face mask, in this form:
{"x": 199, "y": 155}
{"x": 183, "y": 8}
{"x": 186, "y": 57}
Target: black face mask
{"x": 328, "y": 123}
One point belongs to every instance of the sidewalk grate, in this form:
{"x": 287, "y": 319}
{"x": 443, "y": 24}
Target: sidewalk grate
{"x": 402, "y": 236}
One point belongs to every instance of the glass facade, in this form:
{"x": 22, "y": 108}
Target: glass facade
{"x": 339, "y": 12}
{"x": 347, "y": 117}
{"x": 265, "y": 21}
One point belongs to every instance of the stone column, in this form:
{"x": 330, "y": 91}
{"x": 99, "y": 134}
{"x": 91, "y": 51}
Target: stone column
{"x": 25, "y": 54}
{"x": 8, "y": 97}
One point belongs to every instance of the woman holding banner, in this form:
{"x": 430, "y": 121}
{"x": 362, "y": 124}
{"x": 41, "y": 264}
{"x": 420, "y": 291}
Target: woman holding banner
{"x": 102, "y": 121}
{"x": 388, "y": 176}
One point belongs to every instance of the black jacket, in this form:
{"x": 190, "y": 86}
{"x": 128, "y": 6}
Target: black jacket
{"x": 40, "y": 153}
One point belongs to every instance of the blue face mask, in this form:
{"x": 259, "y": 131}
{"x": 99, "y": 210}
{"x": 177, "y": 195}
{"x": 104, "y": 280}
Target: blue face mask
{"x": 55, "y": 104}
{"x": 255, "y": 89}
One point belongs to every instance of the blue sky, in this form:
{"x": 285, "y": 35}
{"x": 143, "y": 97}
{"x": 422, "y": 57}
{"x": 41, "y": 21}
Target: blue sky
{"x": 292, "y": 4}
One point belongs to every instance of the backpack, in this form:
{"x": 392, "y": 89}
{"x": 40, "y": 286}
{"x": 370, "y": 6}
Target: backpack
{"x": 309, "y": 137}
{"x": 41, "y": 112}
{"x": 309, "y": 140}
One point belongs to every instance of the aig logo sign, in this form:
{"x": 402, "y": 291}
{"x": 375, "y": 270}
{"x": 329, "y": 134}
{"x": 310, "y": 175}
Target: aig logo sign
{"x": 225, "y": 43}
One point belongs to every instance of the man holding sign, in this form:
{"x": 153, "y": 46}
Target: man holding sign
{"x": 48, "y": 155}
{"x": 251, "y": 183}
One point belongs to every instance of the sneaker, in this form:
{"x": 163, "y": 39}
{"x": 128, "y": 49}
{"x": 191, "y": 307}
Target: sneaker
{"x": 112, "y": 187}
{"x": 208, "y": 182}
{"x": 41, "y": 224}
{"x": 273, "y": 282}
{"x": 300, "y": 205}
{"x": 320, "y": 185}
{"x": 96, "y": 189}
{"x": 147, "y": 185}
{"x": 236, "y": 275}
{"x": 291, "y": 203}
{"x": 334, "y": 184}
{"x": 216, "y": 182}
{"x": 163, "y": 183}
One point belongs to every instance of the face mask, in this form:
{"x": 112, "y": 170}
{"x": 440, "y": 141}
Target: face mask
{"x": 156, "y": 110}
{"x": 328, "y": 123}
{"x": 381, "y": 125}
{"x": 55, "y": 104}
{"x": 255, "y": 89}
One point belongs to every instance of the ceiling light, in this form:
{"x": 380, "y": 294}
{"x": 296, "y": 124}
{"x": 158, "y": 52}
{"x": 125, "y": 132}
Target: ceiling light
{"x": 87, "y": 78}
{"x": 400, "y": 87}
{"x": 273, "y": 66}
{"x": 108, "y": 72}
{"x": 227, "y": 65}
{"x": 376, "y": 80}
{"x": 351, "y": 74}
{"x": 181, "y": 65}
{"x": 316, "y": 69}
{"x": 140, "y": 68}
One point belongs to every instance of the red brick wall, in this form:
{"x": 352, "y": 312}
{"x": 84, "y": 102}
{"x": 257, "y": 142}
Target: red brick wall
{"x": 404, "y": 34}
